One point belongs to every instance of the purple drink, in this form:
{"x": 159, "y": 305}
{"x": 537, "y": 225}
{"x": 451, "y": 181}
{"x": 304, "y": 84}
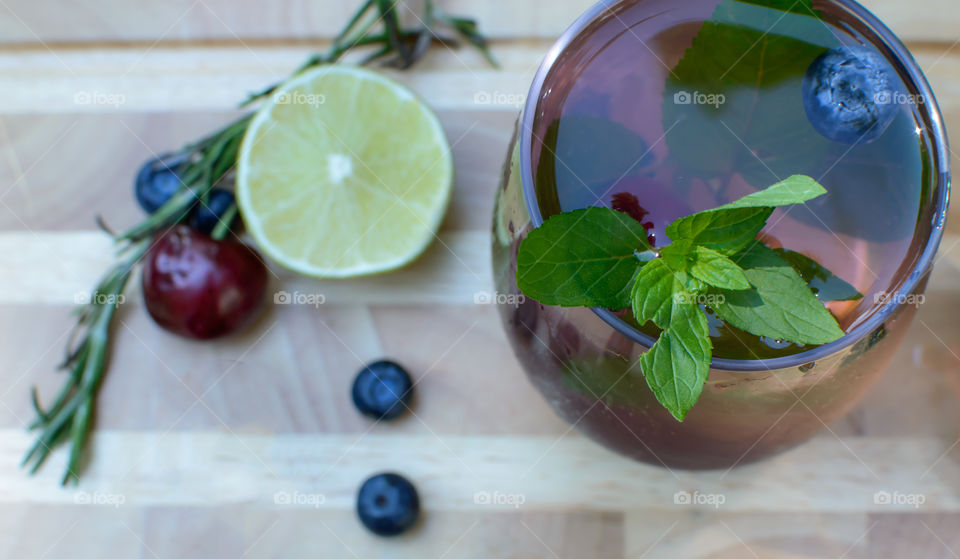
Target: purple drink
{"x": 660, "y": 109}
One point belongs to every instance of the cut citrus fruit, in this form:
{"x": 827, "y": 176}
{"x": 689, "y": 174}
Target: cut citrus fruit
{"x": 344, "y": 172}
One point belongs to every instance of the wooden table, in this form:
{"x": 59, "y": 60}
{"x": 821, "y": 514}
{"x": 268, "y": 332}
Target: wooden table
{"x": 198, "y": 448}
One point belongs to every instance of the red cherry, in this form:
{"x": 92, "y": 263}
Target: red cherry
{"x": 200, "y": 288}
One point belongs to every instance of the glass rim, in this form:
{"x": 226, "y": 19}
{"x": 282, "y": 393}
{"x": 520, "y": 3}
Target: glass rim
{"x": 924, "y": 263}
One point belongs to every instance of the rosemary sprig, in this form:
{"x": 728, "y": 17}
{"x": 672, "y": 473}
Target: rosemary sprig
{"x": 200, "y": 166}
{"x": 407, "y": 46}
{"x": 70, "y": 415}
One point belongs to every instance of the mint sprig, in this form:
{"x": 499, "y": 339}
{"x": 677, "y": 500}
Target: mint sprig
{"x": 598, "y": 257}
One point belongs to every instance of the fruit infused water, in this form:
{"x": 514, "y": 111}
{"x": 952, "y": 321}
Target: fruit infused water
{"x": 699, "y": 106}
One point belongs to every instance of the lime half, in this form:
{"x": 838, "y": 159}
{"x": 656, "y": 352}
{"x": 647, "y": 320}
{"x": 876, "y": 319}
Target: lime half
{"x": 342, "y": 173}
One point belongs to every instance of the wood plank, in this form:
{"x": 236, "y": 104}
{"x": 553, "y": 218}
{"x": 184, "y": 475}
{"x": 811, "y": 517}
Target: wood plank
{"x": 198, "y": 441}
{"x": 131, "y": 79}
{"x": 125, "y": 79}
{"x": 248, "y": 20}
{"x": 52, "y": 531}
{"x": 725, "y": 535}
{"x": 927, "y": 535}
{"x": 24, "y": 21}
{"x": 260, "y": 533}
{"x": 60, "y": 268}
{"x": 250, "y": 531}
{"x": 297, "y": 364}
{"x": 37, "y": 147}
{"x": 919, "y": 391}
{"x": 50, "y": 179}
{"x": 486, "y": 473}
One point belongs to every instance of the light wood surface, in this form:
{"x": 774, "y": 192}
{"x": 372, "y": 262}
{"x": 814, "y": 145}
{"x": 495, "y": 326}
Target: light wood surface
{"x": 200, "y": 446}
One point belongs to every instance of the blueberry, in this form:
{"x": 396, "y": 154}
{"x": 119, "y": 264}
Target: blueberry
{"x": 388, "y": 504}
{"x": 849, "y": 94}
{"x": 206, "y": 217}
{"x": 158, "y": 180}
{"x": 382, "y": 390}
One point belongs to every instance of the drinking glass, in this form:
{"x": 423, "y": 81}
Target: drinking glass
{"x": 585, "y": 361}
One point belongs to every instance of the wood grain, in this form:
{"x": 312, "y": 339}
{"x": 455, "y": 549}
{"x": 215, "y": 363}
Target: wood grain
{"x": 26, "y": 22}
{"x": 156, "y": 96}
{"x": 454, "y": 270}
{"x": 510, "y": 472}
{"x": 726, "y": 535}
{"x": 124, "y": 79}
{"x": 203, "y": 443}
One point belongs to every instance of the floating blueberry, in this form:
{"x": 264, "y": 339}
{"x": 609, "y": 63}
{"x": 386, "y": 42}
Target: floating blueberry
{"x": 158, "y": 180}
{"x": 388, "y": 504}
{"x": 206, "y": 217}
{"x": 849, "y": 94}
{"x": 382, "y": 390}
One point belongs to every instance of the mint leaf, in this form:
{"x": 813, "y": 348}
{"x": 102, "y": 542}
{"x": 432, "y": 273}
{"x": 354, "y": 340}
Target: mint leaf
{"x": 675, "y": 255}
{"x": 726, "y": 231}
{"x": 796, "y": 189}
{"x": 663, "y": 282}
{"x": 733, "y": 227}
{"x": 652, "y": 294}
{"x": 584, "y": 258}
{"x": 780, "y": 305}
{"x": 716, "y": 270}
{"x": 678, "y": 364}
{"x": 827, "y": 286}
